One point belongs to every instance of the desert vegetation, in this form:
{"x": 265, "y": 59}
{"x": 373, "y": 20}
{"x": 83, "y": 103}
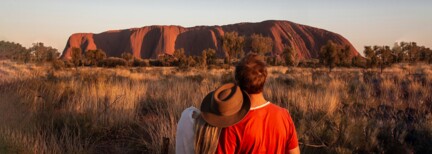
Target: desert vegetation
{"x": 93, "y": 103}
{"x": 136, "y": 109}
{"x": 331, "y": 55}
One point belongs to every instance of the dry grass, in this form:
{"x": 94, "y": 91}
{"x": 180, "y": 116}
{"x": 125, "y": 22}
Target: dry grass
{"x": 129, "y": 110}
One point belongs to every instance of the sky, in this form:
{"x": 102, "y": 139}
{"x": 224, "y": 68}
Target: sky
{"x": 362, "y": 22}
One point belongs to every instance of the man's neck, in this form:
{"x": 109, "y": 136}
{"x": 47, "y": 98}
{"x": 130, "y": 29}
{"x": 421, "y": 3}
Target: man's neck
{"x": 257, "y": 99}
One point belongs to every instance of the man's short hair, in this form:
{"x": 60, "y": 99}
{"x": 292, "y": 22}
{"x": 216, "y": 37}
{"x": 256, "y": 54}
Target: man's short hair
{"x": 251, "y": 73}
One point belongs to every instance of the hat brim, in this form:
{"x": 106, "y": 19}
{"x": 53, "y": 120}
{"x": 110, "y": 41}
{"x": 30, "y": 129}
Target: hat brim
{"x": 223, "y": 121}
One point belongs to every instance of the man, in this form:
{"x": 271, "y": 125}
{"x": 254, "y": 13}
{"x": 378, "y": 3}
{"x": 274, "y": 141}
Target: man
{"x": 267, "y": 128}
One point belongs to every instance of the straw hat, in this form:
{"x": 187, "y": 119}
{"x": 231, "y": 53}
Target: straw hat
{"x": 225, "y": 106}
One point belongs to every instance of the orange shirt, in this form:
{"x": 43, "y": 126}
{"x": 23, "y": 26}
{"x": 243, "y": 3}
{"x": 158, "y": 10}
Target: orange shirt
{"x": 268, "y": 129}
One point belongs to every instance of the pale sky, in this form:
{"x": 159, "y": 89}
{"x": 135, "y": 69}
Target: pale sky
{"x": 362, "y": 22}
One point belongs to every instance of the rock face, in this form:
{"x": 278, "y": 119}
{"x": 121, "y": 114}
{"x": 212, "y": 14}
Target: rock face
{"x": 151, "y": 41}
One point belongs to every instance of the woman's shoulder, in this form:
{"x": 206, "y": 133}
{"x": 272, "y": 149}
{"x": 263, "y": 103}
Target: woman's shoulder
{"x": 190, "y": 113}
{"x": 190, "y": 110}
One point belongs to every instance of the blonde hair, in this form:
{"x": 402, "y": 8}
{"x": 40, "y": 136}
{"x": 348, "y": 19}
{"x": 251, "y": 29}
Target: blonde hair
{"x": 206, "y": 136}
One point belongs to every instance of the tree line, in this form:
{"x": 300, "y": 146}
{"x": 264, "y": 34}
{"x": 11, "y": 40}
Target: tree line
{"x": 232, "y": 44}
{"x": 403, "y": 52}
{"x": 37, "y": 53}
{"x": 331, "y": 55}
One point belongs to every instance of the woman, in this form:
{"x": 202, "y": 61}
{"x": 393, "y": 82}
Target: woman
{"x": 221, "y": 108}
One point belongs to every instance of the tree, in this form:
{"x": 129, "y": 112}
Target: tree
{"x": 180, "y": 57}
{"x": 379, "y": 56}
{"x": 233, "y": 45}
{"x": 290, "y": 56}
{"x": 93, "y": 57}
{"x": 399, "y": 55}
{"x": 357, "y": 61}
{"x": 423, "y": 54}
{"x": 345, "y": 56}
{"x": 429, "y": 56}
{"x": 15, "y": 51}
{"x": 43, "y": 53}
{"x": 371, "y": 57}
{"x": 329, "y": 55}
{"x": 413, "y": 52}
{"x": 260, "y": 44}
{"x": 27, "y": 56}
{"x": 208, "y": 57}
{"x": 385, "y": 57}
{"x": 76, "y": 57}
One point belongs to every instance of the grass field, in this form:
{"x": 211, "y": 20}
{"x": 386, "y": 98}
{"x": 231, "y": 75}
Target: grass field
{"x": 132, "y": 110}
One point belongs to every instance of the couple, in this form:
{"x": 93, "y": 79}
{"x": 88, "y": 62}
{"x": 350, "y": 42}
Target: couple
{"x": 236, "y": 118}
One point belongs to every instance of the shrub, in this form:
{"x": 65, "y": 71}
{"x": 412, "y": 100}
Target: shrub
{"x": 208, "y": 57}
{"x": 329, "y": 55}
{"x": 93, "y": 57}
{"x": 290, "y": 56}
{"x": 113, "y": 62}
{"x": 312, "y": 63}
{"x": 192, "y": 61}
{"x": 155, "y": 62}
{"x": 68, "y": 63}
{"x": 260, "y": 44}
{"x": 357, "y": 61}
{"x": 232, "y": 45}
{"x": 11, "y": 50}
{"x": 58, "y": 64}
{"x": 76, "y": 56}
{"x": 137, "y": 62}
{"x": 43, "y": 53}
{"x": 165, "y": 60}
{"x": 127, "y": 56}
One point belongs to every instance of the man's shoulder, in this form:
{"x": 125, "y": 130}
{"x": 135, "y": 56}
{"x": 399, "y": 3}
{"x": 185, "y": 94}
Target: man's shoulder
{"x": 271, "y": 110}
{"x": 281, "y": 112}
{"x": 276, "y": 108}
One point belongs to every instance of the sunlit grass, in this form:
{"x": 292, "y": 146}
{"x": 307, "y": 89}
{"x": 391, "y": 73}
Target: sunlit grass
{"x": 129, "y": 110}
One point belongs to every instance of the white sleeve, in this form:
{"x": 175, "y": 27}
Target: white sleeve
{"x": 185, "y": 132}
